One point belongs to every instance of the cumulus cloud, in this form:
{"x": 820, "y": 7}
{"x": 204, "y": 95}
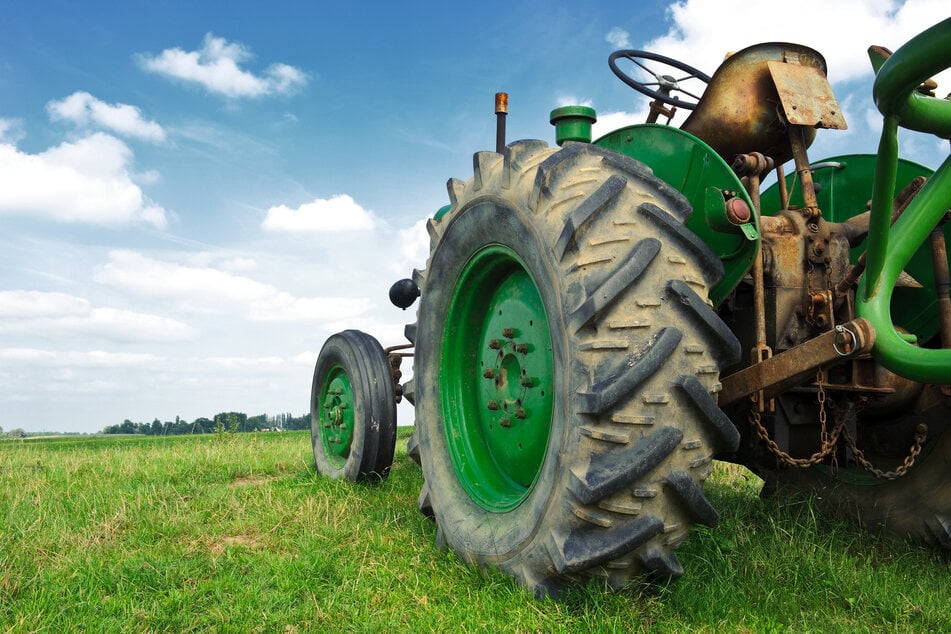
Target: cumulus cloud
{"x": 610, "y": 121}
{"x": 206, "y": 290}
{"x": 87, "y": 181}
{"x": 338, "y": 213}
{"x": 70, "y": 358}
{"x": 61, "y": 314}
{"x": 217, "y": 67}
{"x": 11, "y": 130}
{"x": 618, "y": 38}
{"x": 842, "y": 31}
{"x": 84, "y": 110}
{"x": 414, "y": 246}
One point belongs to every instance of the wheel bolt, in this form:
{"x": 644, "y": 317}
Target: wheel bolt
{"x": 489, "y": 373}
{"x": 520, "y": 413}
{"x": 526, "y": 381}
{"x": 505, "y": 422}
{"x": 492, "y": 405}
{"x": 508, "y": 333}
{"x": 494, "y": 344}
{"x": 522, "y": 348}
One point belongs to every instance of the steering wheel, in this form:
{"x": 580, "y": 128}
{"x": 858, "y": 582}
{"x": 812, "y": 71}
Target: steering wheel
{"x": 663, "y": 85}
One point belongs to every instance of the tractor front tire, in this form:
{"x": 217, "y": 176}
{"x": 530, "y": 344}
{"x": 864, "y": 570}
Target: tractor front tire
{"x": 353, "y": 409}
{"x": 567, "y": 360}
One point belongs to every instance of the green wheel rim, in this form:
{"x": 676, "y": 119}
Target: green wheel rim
{"x": 336, "y": 416}
{"x": 496, "y": 379}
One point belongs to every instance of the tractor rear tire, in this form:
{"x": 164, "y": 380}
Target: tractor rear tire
{"x": 566, "y": 365}
{"x": 353, "y": 409}
{"x": 915, "y": 506}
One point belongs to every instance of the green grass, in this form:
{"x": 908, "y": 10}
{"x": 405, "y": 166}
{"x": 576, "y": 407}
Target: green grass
{"x": 239, "y": 534}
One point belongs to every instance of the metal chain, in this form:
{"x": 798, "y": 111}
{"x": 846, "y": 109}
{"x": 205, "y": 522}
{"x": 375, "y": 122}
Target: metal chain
{"x": 828, "y": 443}
{"x": 921, "y": 435}
{"x": 829, "y": 440}
{"x": 815, "y": 458}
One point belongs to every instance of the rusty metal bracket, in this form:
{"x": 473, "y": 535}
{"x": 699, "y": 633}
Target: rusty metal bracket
{"x": 787, "y": 369}
{"x": 394, "y": 356}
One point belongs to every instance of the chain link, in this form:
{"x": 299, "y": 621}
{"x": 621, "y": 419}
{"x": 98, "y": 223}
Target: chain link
{"x": 829, "y": 440}
{"x": 921, "y": 435}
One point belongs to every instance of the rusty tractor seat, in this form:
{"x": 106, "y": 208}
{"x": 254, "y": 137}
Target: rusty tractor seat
{"x": 756, "y": 93}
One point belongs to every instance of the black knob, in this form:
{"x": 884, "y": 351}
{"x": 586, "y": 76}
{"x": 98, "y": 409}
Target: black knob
{"x": 404, "y": 293}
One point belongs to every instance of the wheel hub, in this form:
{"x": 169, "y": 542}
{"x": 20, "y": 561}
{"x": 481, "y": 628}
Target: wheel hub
{"x": 336, "y": 416}
{"x": 496, "y": 391}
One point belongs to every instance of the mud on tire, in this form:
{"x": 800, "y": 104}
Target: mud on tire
{"x": 567, "y": 362}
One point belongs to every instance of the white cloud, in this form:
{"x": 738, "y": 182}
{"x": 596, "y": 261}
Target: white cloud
{"x": 206, "y": 290}
{"x": 338, "y": 213}
{"x": 11, "y": 130}
{"x": 67, "y": 358}
{"x": 60, "y": 314}
{"x": 618, "y": 38}
{"x": 842, "y": 31}
{"x": 217, "y": 67}
{"x": 40, "y": 304}
{"x": 414, "y": 246}
{"x": 84, "y": 110}
{"x": 609, "y": 121}
{"x": 88, "y": 181}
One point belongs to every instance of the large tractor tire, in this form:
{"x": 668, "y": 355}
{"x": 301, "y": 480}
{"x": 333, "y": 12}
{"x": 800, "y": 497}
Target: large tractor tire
{"x": 353, "y": 409}
{"x": 566, "y": 366}
{"x": 914, "y": 506}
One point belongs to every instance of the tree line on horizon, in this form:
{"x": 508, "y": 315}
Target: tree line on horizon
{"x": 224, "y": 421}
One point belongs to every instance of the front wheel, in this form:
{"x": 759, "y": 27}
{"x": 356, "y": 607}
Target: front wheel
{"x": 566, "y": 360}
{"x": 353, "y": 409}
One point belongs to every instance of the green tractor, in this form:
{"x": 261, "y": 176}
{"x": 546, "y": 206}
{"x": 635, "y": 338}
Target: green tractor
{"x": 599, "y": 321}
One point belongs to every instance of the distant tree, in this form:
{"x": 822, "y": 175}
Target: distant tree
{"x": 257, "y": 423}
{"x": 232, "y": 421}
{"x": 157, "y": 428}
{"x": 297, "y": 422}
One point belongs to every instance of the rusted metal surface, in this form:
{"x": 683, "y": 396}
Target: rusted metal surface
{"x": 797, "y": 147}
{"x": 942, "y": 283}
{"x": 790, "y": 368}
{"x": 806, "y": 96}
{"x": 501, "y": 110}
{"x": 750, "y": 167}
{"x": 739, "y": 112}
{"x": 394, "y": 356}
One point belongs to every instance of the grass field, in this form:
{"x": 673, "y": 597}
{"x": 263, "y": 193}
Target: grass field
{"x": 239, "y": 534}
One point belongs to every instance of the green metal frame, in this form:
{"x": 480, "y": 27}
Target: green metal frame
{"x": 891, "y": 247}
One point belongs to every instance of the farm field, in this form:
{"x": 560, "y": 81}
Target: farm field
{"x": 237, "y": 533}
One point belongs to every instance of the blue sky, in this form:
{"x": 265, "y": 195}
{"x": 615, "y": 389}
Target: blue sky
{"x": 194, "y": 195}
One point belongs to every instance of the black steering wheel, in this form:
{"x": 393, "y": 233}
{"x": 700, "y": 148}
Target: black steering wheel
{"x": 662, "y": 85}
